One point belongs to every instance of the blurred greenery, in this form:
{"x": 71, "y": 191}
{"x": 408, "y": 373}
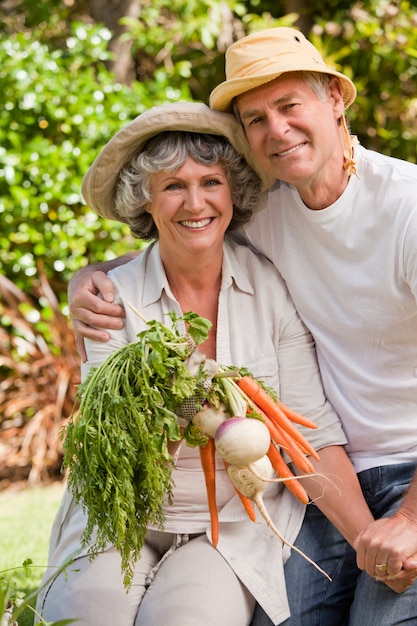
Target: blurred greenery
{"x": 59, "y": 107}
{"x": 26, "y": 518}
{"x": 375, "y": 43}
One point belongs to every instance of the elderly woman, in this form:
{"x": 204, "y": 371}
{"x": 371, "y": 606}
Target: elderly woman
{"x": 174, "y": 175}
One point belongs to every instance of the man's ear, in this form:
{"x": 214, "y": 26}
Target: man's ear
{"x": 336, "y": 96}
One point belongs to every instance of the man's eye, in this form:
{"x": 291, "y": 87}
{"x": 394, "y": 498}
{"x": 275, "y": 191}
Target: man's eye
{"x": 290, "y": 105}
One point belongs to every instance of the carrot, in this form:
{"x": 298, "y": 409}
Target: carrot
{"x": 283, "y": 439}
{"x": 283, "y": 471}
{"x": 294, "y": 451}
{"x": 290, "y": 446}
{"x": 247, "y": 505}
{"x": 296, "y": 454}
{"x": 208, "y": 463}
{"x": 298, "y": 437}
{"x": 247, "y": 502}
{"x": 257, "y": 394}
{"x": 295, "y": 417}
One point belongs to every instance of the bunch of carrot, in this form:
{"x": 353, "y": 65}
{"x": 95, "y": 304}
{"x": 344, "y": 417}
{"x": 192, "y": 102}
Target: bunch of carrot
{"x": 281, "y": 424}
{"x": 249, "y": 445}
{"x": 280, "y": 421}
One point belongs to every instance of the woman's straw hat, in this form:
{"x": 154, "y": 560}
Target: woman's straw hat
{"x": 261, "y": 57}
{"x": 100, "y": 180}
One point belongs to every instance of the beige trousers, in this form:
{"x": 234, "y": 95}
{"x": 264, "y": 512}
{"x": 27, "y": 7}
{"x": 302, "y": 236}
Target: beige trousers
{"x": 179, "y": 581}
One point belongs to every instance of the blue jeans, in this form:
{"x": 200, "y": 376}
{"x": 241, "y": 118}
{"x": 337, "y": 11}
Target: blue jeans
{"x": 352, "y": 598}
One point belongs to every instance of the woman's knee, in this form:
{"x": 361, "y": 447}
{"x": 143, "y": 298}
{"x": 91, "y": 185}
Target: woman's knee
{"x": 195, "y": 585}
{"x": 92, "y": 591}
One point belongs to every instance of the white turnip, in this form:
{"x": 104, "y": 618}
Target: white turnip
{"x": 242, "y": 440}
{"x": 251, "y": 480}
{"x": 208, "y": 419}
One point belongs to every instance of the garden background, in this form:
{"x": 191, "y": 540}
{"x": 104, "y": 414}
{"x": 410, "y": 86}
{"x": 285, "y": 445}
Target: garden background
{"x": 72, "y": 72}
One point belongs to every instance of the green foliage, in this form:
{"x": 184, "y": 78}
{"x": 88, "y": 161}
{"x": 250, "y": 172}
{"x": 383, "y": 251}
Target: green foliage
{"x": 375, "y": 43}
{"x": 25, "y": 521}
{"x": 182, "y": 37}
{"x": 116, "y": 444}
{"x": 59, "y": 108}
{"x": 14, "y": 605}
{"x": 47, "y": 16}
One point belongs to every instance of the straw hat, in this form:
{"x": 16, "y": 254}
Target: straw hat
{"x": 99, "y": 182}
{"x": 261, "y": 57}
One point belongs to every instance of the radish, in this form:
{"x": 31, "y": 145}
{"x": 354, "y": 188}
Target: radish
{"x": 242, "y": 440}
{"x": 251, "y": 480}
{"x": 209, "y": 419}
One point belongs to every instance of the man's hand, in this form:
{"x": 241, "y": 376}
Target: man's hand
{"x": 90, "y": 298}
{"x": 384, "y": 548}
{"x": 405, "y": 578}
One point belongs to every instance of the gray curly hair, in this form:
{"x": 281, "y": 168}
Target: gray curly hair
{"x": 168, "y": 151}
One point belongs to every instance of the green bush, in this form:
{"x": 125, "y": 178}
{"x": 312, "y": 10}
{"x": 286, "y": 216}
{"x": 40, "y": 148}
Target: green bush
{"x": 375, "y": 44}
{"x": 59, "y": 108}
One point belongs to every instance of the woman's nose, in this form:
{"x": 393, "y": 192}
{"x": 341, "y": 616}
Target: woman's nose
{"x": 194, "y": 200}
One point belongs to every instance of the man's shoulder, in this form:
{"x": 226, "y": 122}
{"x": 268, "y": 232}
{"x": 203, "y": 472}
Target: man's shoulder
{"x": 378, "y": 160}
{"x": 269, "y": 200}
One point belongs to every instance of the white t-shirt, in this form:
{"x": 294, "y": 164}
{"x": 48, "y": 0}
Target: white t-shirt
{"x": 351, "y": 270}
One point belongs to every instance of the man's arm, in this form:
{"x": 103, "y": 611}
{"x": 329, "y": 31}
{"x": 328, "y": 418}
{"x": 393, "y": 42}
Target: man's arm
{"x": 90, "y": 299}
{"x": 336, "y": 491}
{"x": 339, "y": 496}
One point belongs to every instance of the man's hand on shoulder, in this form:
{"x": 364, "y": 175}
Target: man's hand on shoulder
{"x": 90, "y": 299}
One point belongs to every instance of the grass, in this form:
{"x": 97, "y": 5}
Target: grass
{"x": 26, "y": 518}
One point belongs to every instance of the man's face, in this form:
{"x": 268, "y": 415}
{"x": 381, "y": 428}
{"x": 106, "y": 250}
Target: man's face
{"x": 295, "y": 136}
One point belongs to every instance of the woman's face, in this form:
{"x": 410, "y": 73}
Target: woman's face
{"x": 191, "y": 207}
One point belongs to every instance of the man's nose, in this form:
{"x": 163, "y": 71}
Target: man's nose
{"x": 277, "y": 126}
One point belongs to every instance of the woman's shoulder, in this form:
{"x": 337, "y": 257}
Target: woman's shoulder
{"x": 132, "y": 266}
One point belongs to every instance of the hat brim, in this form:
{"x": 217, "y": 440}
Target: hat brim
{"x": 99, "y": 182}
{"x": 222, "y": 96}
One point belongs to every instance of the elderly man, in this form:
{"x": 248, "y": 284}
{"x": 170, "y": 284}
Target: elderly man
{"x": 340, "y": 224}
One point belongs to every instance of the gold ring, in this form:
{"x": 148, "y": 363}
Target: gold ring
{"x": 382, "y": 567}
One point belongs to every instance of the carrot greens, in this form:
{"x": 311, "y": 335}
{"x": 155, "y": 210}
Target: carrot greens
{"x": 116, "y": 441}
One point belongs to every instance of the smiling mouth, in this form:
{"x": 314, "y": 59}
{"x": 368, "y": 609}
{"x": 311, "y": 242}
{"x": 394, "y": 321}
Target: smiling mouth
{"x": 290, "y": 151}
{"x": 197, "y": 224}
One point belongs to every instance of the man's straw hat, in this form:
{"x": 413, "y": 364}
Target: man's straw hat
{"x": 261, "y": 57}
{"x": 100, "y": 180}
